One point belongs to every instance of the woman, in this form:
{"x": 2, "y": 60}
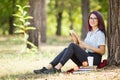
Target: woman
{"x": 93, "y": 45}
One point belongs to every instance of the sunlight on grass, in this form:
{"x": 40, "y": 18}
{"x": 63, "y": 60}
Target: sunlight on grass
{"x": 16, "y": 66}
{"x": 13, "y": 63}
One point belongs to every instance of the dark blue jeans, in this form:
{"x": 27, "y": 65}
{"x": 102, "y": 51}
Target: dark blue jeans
{"x": 76, "y": 54}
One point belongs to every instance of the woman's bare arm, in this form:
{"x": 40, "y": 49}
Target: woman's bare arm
{"x": 100, "y": 50}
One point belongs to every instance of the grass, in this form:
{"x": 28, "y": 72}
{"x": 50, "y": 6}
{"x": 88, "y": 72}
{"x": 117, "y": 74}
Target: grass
{"x": 16, "y": 66}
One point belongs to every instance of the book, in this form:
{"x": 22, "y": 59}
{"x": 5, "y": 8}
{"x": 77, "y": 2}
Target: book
{"x": 74, "y": 37}
{"x": 85, "y": 69}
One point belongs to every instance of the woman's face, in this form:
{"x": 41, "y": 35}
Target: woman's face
{"x": 93, "y": 21}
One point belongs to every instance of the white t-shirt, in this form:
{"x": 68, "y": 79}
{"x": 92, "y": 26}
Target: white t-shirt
{"x": 95, "y": 39}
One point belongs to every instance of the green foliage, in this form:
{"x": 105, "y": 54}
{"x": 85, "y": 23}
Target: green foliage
{"x": 100, "y": 5}
{"x": 66, "y": 6}
{"x": 23, "y": 25}
{"x": 6, "y": 10}
{"x": 23, "y": 19}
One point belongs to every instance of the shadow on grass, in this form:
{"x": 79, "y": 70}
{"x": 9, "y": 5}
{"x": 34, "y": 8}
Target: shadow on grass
{"x": 108, "y": 73}
{"x": 32, "y": 76}
{"x": 27, "y": 76}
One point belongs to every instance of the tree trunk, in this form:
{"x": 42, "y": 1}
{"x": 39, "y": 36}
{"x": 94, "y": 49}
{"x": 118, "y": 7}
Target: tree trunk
{"x": 70, "y": 19}
{"x": 11, "y": 26}
{"x": 11, "y": 18}
{"x": 113, "y": 33}
{"x": 85, "y": 12}
{"x": 43, "y": 21}
{"x": 59, "y": 20}
{"x": 58, "y": 16}
{"x": 37, "y": 11}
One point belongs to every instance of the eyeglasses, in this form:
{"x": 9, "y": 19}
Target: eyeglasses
{"x": 93, "y": 18}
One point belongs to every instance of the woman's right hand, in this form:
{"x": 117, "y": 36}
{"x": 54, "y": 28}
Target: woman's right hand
{"x": 74, "y": 37}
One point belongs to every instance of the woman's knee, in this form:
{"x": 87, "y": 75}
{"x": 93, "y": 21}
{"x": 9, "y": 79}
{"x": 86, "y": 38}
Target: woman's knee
{"x": 64, "y": 49}
{"x": 72, "y": 44}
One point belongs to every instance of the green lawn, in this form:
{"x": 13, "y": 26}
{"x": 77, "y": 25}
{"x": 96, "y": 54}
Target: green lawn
{"x": 15, "y": 65}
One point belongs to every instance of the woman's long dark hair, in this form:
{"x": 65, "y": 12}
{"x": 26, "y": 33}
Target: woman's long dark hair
{"x": 101, "y": 24}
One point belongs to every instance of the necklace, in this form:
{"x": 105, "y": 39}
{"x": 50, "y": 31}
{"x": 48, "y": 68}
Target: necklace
{"x": 93, "y": 32}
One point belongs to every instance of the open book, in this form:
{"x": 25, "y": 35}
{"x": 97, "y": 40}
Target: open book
{"x": 74, "y": 37}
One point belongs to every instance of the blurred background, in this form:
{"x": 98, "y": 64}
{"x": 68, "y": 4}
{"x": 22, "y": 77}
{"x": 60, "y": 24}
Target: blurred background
{"x": 52, "y": 17}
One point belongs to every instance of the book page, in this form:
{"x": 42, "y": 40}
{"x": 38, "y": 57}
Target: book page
{"x": 74, "y": 37}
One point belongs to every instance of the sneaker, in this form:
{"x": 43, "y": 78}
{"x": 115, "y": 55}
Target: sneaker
{"x": 52, "y": 71}
{"x": 40, "y": 71}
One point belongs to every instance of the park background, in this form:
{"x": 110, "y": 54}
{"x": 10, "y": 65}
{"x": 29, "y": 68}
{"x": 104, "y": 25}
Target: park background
{"x": 52, "y": 19}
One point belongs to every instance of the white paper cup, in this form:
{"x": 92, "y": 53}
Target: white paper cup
{"x": 90, "y": 60}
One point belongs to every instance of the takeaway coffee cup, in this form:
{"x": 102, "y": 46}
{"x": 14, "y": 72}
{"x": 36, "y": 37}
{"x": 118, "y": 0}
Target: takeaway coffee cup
{"x": 90, "y": 60}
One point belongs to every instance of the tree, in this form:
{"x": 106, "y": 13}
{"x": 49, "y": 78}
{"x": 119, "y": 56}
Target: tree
{"x": 38, "y": 12}
{"x": 58, "y": 16}
{"x": 11, "y": 18}
{"x": 85, "y": 12}
{"x": 7, "y": 8}
{"x": 70, "y": 19}
{"x": 113, "y": 33}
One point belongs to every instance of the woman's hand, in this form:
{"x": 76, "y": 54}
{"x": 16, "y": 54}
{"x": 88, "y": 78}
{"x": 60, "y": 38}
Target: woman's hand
{"x": 74, "y": 37}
